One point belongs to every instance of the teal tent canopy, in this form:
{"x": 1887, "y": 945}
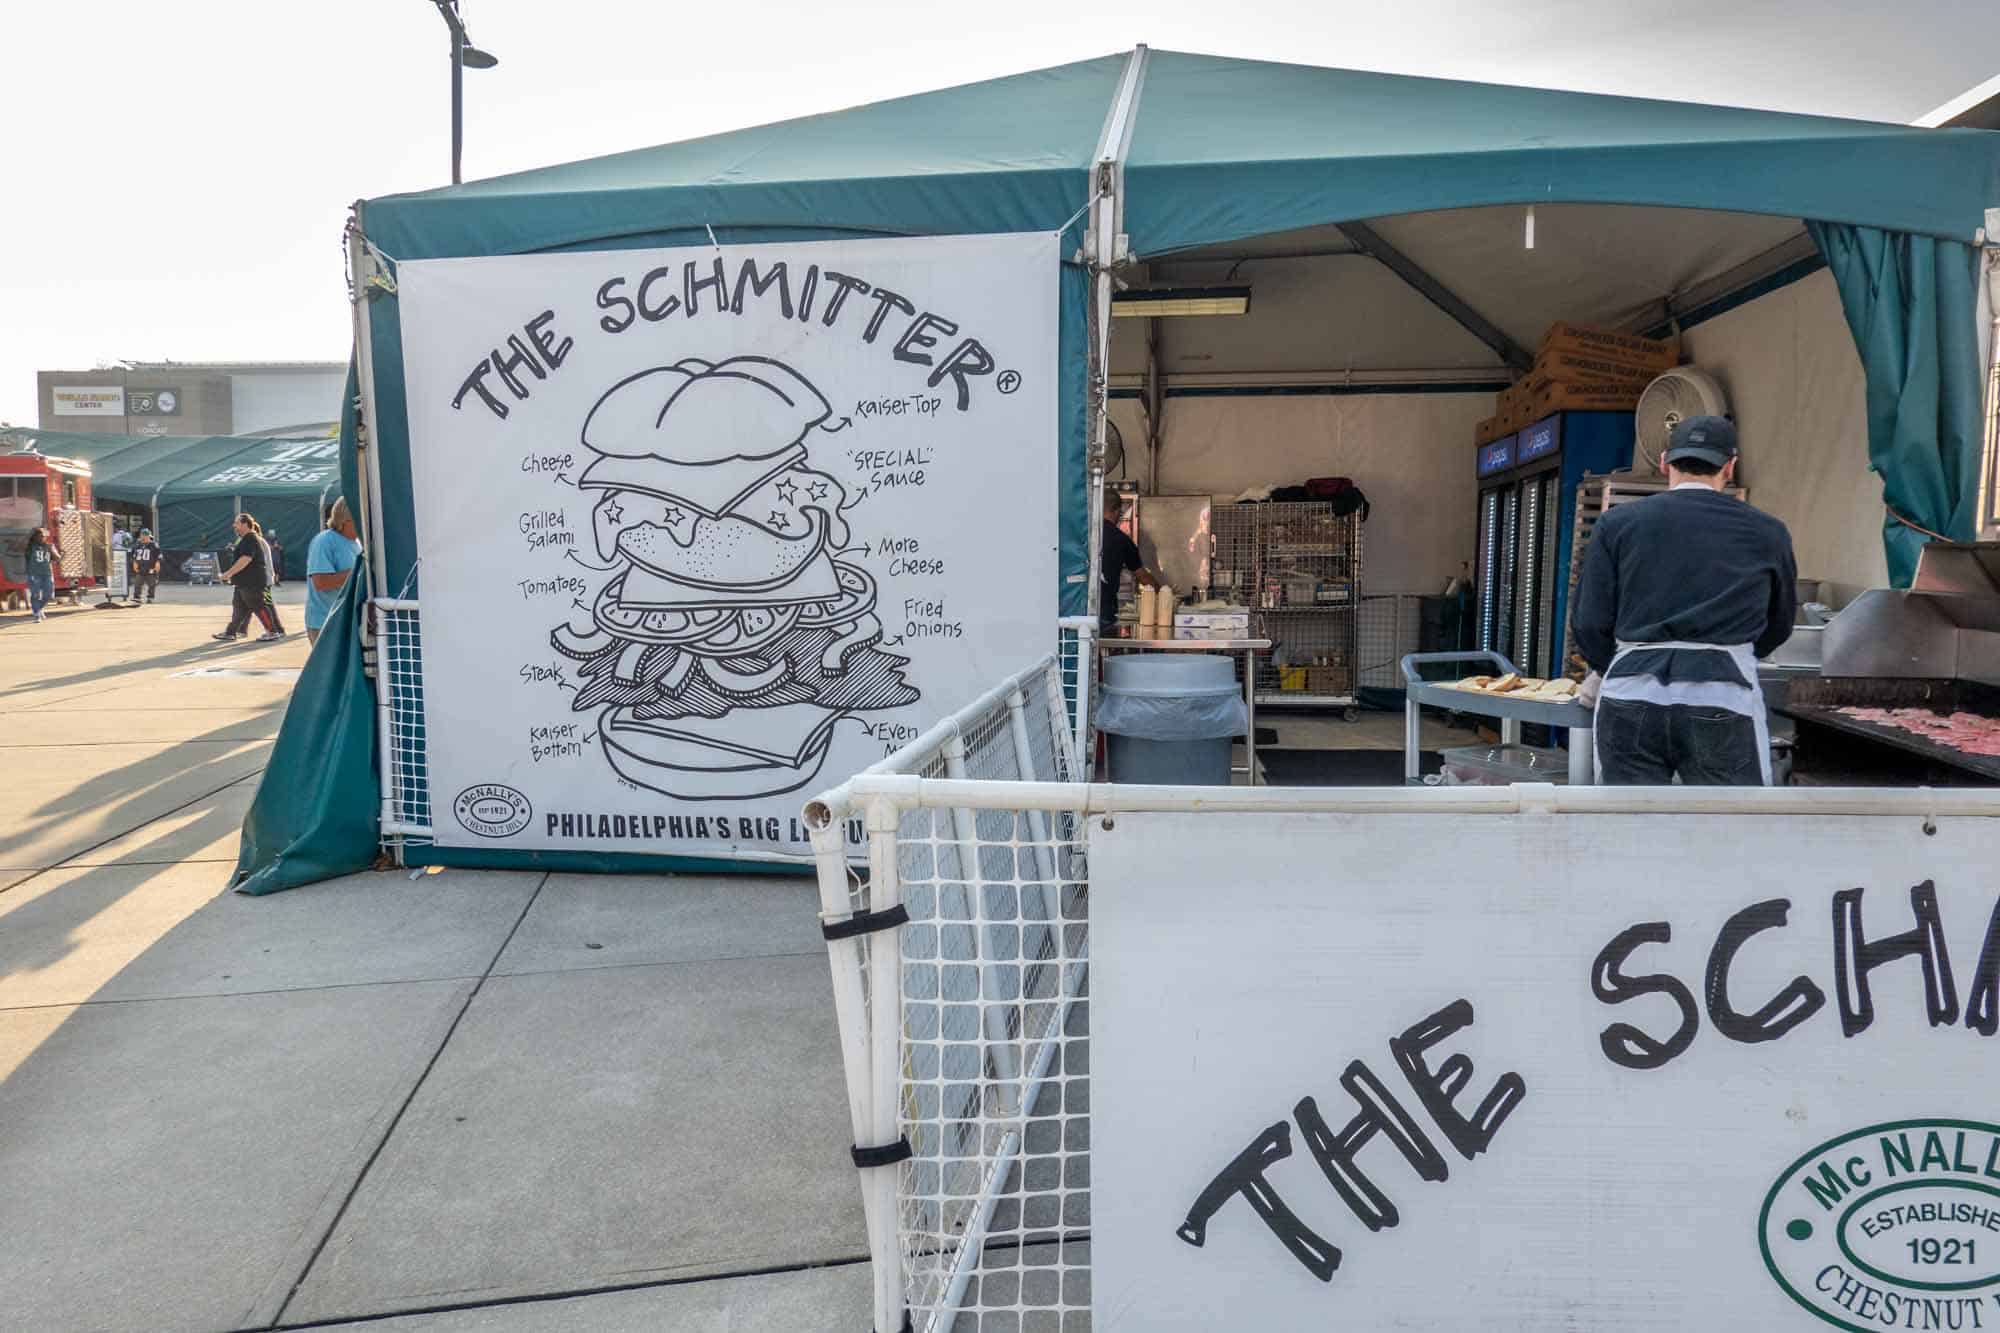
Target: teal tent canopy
{"x": 192, "y": 485}
{"x": 1217, "y": 150}
{"x": 1214, "y": 151}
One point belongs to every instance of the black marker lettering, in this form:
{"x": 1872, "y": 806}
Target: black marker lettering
{"x": 967, "y": 359}
{"x": 606, "y": 301}
{"x": 884, "y": 299}
{"x": 718, "y": 283}
{"x": 1982, "y": 1006}
{"x": 842, "y": 286}
{"x": 910, "y": 347}
{"x": 1797, "y": 1002}
{"x": 552, "y": 351}
{"x": 647, "y": 310}
{"x": 1854, "y": 957}
{"x": 806, "y": 291}
{"x": 1380, "y": 1113}
{"x": 1624, "y": 1044}
{"x": 1436, "y": 1090}
{"x": 1245, "y": 1176}
{"x": 507, "y": 365}
{"x": 476, "y": 383}
{"x": 747, "y": 276}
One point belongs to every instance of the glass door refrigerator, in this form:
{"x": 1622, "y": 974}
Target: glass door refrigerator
{"x": 1526, "y": 520}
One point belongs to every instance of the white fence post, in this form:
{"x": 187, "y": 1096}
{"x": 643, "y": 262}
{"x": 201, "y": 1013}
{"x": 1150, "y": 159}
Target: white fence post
{"x": 885, "y": 987}
{"x": 850, "y": 1006}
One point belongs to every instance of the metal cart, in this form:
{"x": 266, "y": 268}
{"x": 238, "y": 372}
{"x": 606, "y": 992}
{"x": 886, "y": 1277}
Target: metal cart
{"x": 1509, "y": 711}
{"x": 1297, "y": 566}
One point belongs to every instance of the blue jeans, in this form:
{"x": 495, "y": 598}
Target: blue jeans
{"x": 41, "y": 591}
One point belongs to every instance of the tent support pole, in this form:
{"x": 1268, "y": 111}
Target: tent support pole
{"x": 1103, "y": 250}
{"x": 1989, "y": 334}
{"x": 1156, "y": 406}
{"x": 1371, "y": 243}
{"x": 361, "y": 264}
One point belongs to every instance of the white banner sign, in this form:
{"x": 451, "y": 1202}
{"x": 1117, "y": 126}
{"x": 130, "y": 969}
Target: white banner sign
{"x": 83, "y": 400}
{"x": 705, "y": 530}
{"x": 1449, "y": 1071}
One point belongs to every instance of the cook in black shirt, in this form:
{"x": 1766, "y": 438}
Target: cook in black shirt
{"x": 1680, "y": 594}
{"x": 1120, "y": 553}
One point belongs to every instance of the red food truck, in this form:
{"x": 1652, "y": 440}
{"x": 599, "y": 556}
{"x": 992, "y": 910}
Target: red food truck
{"x": 37, "y": 491}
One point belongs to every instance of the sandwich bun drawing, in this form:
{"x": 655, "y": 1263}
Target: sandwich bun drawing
{"x": 731, "y": 640}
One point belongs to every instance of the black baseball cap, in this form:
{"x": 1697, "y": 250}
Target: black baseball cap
{"x": 1711, "y": 439}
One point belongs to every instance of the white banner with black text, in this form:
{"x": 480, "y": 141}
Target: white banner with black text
{"x": 1541, "y": 1071}
{"x": 704, "y": 530}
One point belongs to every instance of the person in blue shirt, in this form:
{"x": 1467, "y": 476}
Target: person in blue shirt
{"x": 329, "y": 562}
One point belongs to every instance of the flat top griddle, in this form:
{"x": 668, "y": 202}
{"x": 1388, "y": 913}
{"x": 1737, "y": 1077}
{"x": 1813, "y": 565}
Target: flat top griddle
{"x": 1818, "y": 700}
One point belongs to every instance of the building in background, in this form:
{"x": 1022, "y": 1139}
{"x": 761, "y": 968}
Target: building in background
{"x": 194, "y": 398}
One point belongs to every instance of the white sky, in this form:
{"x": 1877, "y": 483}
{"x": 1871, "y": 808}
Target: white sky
{"x": 176, "y": 176}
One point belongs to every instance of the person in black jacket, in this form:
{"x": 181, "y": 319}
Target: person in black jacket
{"x": 1679, "y": 595}
{"x": 1119, "y": 554}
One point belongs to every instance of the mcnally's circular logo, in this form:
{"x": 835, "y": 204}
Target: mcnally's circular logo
{"x": 1893, "y": 1226}
{"x": 492, "y": 811}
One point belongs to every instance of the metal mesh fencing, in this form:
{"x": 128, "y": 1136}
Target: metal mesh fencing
{"x": 406, "y": 780}
{"x": 1389, "y": 629}
{"x": 993, "y": 1205}
{"x": 966, "y": 1029}
{"x": 1076, "y": 656}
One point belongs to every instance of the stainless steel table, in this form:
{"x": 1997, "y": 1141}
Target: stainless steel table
{"x": 1248, "y": 647}
{"x": 1510, "y": 711}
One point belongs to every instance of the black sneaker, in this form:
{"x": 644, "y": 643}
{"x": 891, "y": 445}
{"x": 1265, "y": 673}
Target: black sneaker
{"x": 225, "y": 636}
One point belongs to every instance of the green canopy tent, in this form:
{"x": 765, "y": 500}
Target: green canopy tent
{"x": 192, "y": 487}
{"x": 1148, "y": 155}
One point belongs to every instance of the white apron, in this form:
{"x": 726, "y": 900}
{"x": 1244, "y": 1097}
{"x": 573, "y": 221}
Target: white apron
{"x": 1743, "y": 700}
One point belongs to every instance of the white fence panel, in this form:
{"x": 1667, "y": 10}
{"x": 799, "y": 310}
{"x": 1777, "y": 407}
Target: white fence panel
{"x": 1263, "y": 941}
{"x": 961, "y": 996}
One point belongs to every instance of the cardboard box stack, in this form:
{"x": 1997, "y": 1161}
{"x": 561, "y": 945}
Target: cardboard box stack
{"x": 1579, "y": 369}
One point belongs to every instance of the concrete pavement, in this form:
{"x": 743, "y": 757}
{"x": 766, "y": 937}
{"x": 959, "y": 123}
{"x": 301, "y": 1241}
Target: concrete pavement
{"x": 460, "y": 1101}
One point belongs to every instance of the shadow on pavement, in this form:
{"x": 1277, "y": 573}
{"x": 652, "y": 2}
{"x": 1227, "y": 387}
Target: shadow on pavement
{"x": 127, "y": 797}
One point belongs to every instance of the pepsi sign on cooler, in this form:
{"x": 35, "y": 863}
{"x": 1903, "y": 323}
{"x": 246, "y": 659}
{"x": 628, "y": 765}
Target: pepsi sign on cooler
{"x": 1526, "y": 525}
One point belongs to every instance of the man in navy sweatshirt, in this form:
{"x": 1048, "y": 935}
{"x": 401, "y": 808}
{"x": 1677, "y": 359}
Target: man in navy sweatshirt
{"x": 1680, "y": 594}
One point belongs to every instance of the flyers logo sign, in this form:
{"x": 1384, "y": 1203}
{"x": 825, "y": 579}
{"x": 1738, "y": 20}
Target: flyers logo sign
{"x": 1893, "y": 1226}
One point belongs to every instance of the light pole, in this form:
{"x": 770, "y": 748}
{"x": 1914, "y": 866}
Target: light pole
{"x": 464, "y": 56}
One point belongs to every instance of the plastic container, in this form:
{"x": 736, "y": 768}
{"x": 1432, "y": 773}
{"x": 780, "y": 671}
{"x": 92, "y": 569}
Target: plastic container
{"x": 1501, "y": 765}
{"x": 1169, "y": 718}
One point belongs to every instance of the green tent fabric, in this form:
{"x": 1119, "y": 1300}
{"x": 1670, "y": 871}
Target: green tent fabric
{"x": 314, "y": 815}
{"x": 196, "y": 481}
{"x": 1226, "y": 149}
{"x": 1909, "y": 301}
{"x": 1003, "y": 155}
{"x": 1219, "y": 150}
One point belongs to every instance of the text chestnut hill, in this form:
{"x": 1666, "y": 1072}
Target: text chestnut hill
{"x": 707, "y": 287}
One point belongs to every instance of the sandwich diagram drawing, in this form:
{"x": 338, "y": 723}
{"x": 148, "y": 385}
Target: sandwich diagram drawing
{"x": 730, "y": 641}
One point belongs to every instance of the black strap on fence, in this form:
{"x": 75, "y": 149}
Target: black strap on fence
{"x": 865, "y": 923}
{"x": 887, "y": 1155}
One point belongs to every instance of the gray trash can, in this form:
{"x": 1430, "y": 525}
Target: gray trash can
{"x": 1169, "y": 718}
